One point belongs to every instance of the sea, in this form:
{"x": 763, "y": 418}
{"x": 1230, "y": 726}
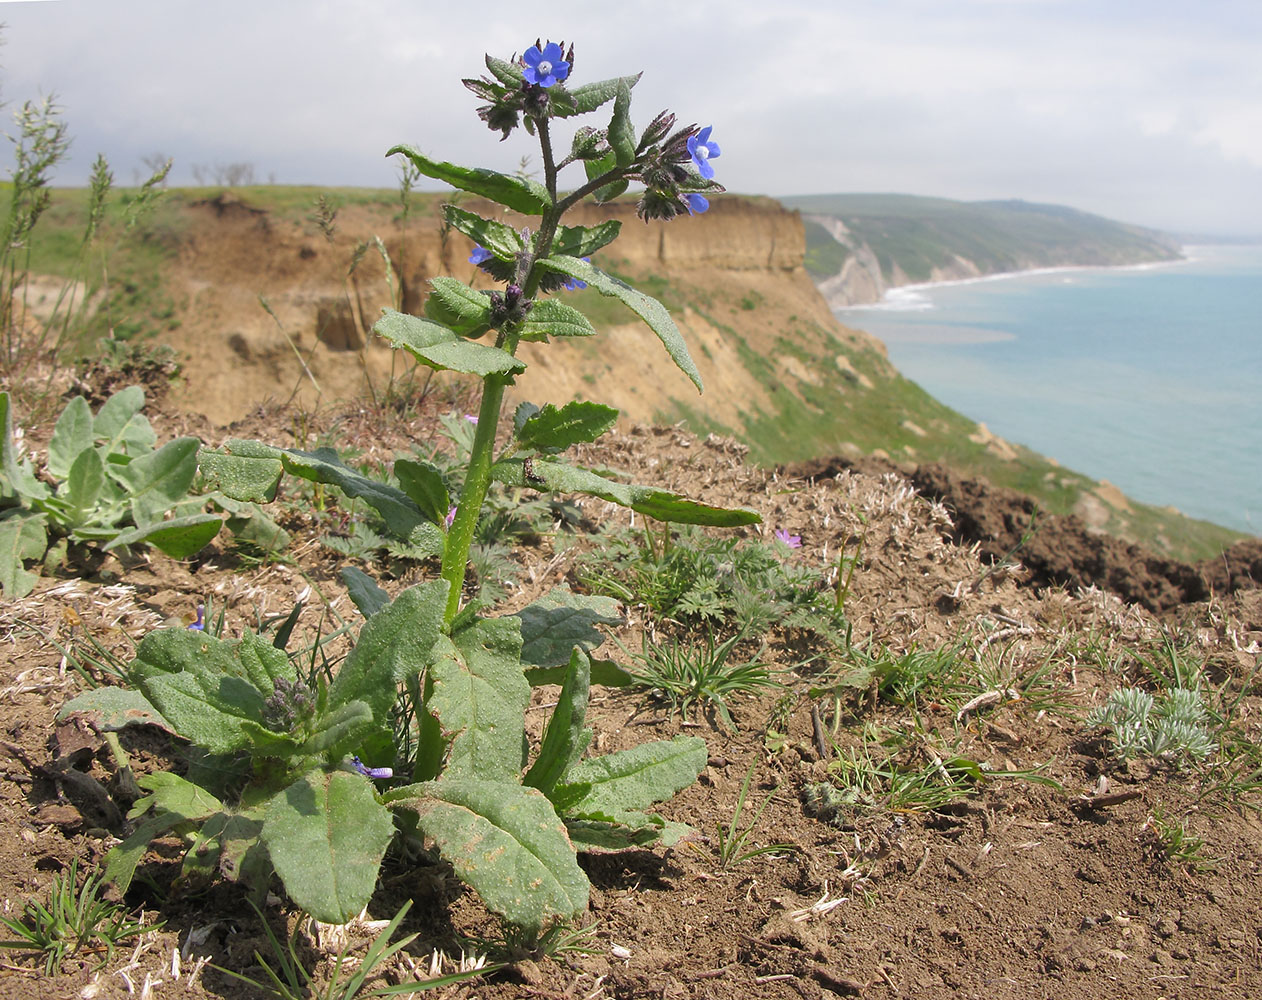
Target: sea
{"x": 1147, "y": 376}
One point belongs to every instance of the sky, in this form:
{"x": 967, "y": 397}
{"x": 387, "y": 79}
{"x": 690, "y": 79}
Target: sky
{"x": 1145, "y": 111}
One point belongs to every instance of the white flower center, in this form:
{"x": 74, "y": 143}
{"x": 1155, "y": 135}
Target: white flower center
{"x": 703, "y": 152}
{"x": 544, "y": 67}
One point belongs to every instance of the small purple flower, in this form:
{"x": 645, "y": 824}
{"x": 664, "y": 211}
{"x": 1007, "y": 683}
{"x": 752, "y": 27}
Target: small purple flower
{"x": 371, "y": 772}
{"x": 471, "y": 417}
{"x": 697, "y": 203}
{"x": 451, "y": 516}
{"x": 200, "y": 624}
{"x": 574, "y": 284}
{"x": 702, "y": 151}
{"x": 792, "y": 541}
{"x": 480, "y": 255}
{"x": 544, "y": 68}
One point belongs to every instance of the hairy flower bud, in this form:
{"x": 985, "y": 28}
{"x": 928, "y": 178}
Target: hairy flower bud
{"x": 290, "y": 707}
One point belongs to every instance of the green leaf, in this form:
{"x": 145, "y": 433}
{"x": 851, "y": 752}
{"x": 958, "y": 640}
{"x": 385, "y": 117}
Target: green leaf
{"x": 459, "y": 307}
{"x": 506, "y": 842}
{"x": 84, "y": 484}
{"x": 179, "y": 537}
{"x": 363, "y": 590}
{"x": 246, "y": 470}
{"x": 621, "y": 131}
{"x": 509, "y": 74}
{"x": 552, "y": 430}
{"x": 647, "y": 308}
{"x": 402, "y": 516}
{"x": 590, "y": 96}
{"x": 250, "y": 523}
{"x": 263, "y": 663}
{"x": 158, "y": 480}
{"x": 525, "y": 196}
{"x": 604, "y": 672}
{"x": 71, "y": 437}
{"x": 15, "y": 476}
{"x": 327, "y": 834}
{"x": 637, "y": 778}
{"x": 339, "y": 731}
{"x": 502, "y": 240}
{"x": 553, "y": 318}
{"x": 122, "y": 859}
{"x": 479, "y": 697}
{"x": 606, "y": 836}
{"x": 172, "y": 794}
{"x": 394, "y": 645}
{"x": 554, "y": 624}
{"x": 583, "y": 241}
{"x": 120, "y": 424}
{"x": 423, "y": 483}
{"x": 20, "y": 538}
{"x": 661, "y": 504}
{"x": 110, "y": 709}
{"x": 600, "y": 167}
{"x": 439, "y": 348}
{"x": 565, "y": 739}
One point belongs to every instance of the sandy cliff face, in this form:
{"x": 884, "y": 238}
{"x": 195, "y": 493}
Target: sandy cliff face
{"x": 272, "y": 312}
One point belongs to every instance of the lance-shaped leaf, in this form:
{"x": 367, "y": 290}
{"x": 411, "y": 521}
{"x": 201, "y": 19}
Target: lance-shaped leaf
{"x": 583, "y": 241}
{"x": 20, "y": 538}
{"x": 263, "y": 663}
{"x": 566, "y": 737}
{"x": 596, "y": 836}
{"x": 507, "y": 73}
{"x": 552, "y": 430}
{"x": 590, "y": 96}
{"x": 245, "y": 470}
{"x": 327, "y": 834}
{"x": 109, "y": 709}
{"x": 552, "y": 318}
{"x": 520, "y": 194}
{"x": 158, "y": 480}
{"x": 479, "y": 697}
{"x": 506, "y": 842}
{"x": 454, "y": 304}
{"x": 661, "y": 504}
{"x": 440, "y": 348}
{"x": 560, "y": 620}
{"x": 598, "y": 168}
{"x": 339, "y": 731}
{"x": 635, "y": 779}
{"x": 502, "y": 240}
{"x": 120, "y": 424}
{"x": 403, "y": 517}
{"x": 621, "y": 131}
{"x": 179, "y": 537}
{"x": 394, "y": 645}
{"x": 178, "y": 802}
{"x": 423, "y": 483}
{"x": 363, "y": 590}
{"x": 71, "y": 437}
{"x": 15, "y": 476}
{"x": 646, "y": 307}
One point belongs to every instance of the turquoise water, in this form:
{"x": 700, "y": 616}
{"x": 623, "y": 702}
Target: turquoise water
{"x": 1149, "y": 377}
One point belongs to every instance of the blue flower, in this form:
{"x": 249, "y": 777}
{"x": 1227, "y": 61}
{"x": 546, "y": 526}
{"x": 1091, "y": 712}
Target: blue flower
{"x": 200, "y": 624}
{"x": 480, "y": 255}
{"x": 544, "y": 68}
{"x": 371, "y": 772}
{"x": 697, "y": 203}
{"x": 574, "y": 284}
{"x": 702, "y": 151}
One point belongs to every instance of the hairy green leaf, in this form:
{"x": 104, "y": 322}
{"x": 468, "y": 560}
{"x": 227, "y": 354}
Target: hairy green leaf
{"x": 583, "y": 241}
{"x": 552, "y": 430}
{"x": 552, "y": 318}
{"x": 590, "y": 96}
{"x": 525, "y": 196}
{"x": 246, "y": 470}
{"x": 454, "y": 304}
{"x": 566, "y": 737}
{"x": 423, "y": 482}
{"x": 110, "y": 709}
{"x": 71, "y": 437}
{"x": 440, "y": 348}
{"x": 363, "y": 590}
{"x": 179, "y": 537}
{"x": 621, "y": 131}
{"x": 554, "y": 624}
{"x": 502, "y": 240}
{"x": 637, "y": 778}
{"x": 20, "y": 538}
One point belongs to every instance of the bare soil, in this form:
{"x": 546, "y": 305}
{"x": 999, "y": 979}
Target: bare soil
{"x": 1020, "y": 889}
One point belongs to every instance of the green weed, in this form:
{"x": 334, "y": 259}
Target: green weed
{"x": 731, "y": 842}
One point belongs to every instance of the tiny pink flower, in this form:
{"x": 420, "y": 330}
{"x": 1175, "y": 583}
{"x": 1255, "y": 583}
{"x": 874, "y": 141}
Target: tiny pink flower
{"x": 792, "y": 541}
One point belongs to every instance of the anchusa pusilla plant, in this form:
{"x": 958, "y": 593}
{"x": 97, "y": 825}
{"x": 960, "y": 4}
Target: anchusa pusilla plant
{"x": 420, "y": 731}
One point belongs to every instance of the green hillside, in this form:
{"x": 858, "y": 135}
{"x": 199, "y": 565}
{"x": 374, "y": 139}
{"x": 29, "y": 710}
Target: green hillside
{"x": 917, "y": 235}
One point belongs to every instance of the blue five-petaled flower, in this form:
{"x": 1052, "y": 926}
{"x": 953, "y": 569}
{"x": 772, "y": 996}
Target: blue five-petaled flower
{"x": 702, "y": 151}
{"x": 697, "y": 203}
{"x": 544, "y": 68}
{"x": 479, "y": 255}
{"x": 200, "y": 624}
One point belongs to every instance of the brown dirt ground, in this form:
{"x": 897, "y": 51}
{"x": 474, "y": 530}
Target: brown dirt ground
{"x": 1019, "y": 890}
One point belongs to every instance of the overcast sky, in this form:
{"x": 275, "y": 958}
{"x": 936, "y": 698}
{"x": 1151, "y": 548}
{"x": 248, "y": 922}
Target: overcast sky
{"x": 1148, "y": 111}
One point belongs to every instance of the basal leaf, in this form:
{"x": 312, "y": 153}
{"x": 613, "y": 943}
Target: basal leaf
{"x": 440, "y": 348}
{"x": 340, "y": 731}
{"x": 521, "y": 195}
{"x": 120, "y": 425}
{"x": 554, "y": 624}
{"x": 566, "y": 737}
{"x": 248, "y": 470}
{"x": 661, "y": 504}
{"x": 327, "y": 834}
{"x": 479, "y": 697}
{"x": 169, "y": 792}
{"x": 552, "y": 430}
{"x": 553, "y": 318}
{"x": 156, "y": 481}
{"x": 179, "y": 537}
{"x": 506, "y": 842}
{"x": 83, "y": 486}
{"x": 393, "y": 645}
{"x": 71, "y": 437}
{"x": 20, "y": 538}
{"x": 363, "y": 590}
{"x": 647, "y": 308}
{"x": 635, "y": 779}
{"x": 110, "y": 709}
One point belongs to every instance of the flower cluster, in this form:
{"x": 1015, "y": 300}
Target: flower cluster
{"x": 290, "y": 708}
{"x": 675, "y": 169}
{"x": 531, "y": 86}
